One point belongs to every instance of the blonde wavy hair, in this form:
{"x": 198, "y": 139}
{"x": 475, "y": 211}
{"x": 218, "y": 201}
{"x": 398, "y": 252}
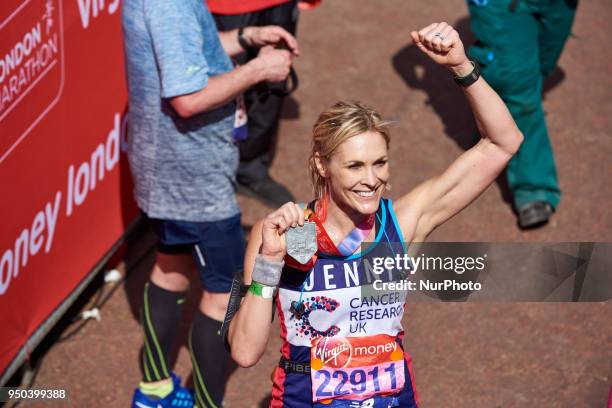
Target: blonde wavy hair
{"x": 335, "y": 125}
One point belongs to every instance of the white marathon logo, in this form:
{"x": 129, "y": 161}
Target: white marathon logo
{"x": 369, "y": 403}
{"x": 31, "y": 68}
{"x": 83, "y": 178}
{"x": 94, "y": 8}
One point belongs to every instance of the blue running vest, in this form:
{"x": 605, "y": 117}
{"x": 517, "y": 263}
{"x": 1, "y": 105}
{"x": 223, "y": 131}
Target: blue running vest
{"x": 336, "y": 307}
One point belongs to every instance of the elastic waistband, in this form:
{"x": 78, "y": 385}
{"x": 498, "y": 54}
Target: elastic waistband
{"x": 293, "y": 366}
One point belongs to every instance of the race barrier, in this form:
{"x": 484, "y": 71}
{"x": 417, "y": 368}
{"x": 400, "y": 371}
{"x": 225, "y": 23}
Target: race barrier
{"x": 66, "y": 192}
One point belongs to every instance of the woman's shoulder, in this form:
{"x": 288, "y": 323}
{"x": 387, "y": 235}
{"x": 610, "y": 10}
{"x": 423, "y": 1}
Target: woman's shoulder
{"x": 408, "y": 210}
{"x": 412, "y": 201}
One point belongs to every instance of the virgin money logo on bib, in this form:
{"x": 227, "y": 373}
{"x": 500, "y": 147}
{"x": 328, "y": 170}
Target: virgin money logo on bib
{"x": 332, "y": 352}
{"x": 341, "y": 352}
{"x": 31, "y": 67}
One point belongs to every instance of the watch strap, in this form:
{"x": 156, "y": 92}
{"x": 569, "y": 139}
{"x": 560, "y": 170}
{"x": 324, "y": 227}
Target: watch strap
{"x": 470, "y": 78}
{"x": 242, "y": 40}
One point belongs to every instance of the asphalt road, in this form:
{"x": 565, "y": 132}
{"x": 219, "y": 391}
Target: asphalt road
{"x": 465, "y": 355}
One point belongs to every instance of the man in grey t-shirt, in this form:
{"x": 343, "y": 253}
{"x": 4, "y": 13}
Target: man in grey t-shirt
{"x": 182, "y": 122}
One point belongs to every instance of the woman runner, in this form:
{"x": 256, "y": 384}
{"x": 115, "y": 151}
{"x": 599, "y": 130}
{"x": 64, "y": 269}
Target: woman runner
{"x": 342, "y": 345}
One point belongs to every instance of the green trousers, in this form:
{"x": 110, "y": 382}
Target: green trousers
{"x": 518, "y": 44}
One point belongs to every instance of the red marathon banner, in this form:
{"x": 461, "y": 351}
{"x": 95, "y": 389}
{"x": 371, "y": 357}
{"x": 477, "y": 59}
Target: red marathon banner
{"x": 66, "y": 193}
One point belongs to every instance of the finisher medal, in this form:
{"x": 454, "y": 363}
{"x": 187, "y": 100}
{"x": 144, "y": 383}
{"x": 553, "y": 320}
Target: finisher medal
{"x": 302, "y": 242}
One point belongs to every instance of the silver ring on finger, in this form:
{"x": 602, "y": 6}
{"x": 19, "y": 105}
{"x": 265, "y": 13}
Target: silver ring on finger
{"x": 440, "y": 36}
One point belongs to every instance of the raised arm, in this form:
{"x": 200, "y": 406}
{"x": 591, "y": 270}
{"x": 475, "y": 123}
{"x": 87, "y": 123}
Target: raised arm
{"x": 441, "y": 197}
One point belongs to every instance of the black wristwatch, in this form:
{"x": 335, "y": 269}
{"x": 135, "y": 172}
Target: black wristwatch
{"x": 242, "y": 41}
{"x": 470, "y": 78}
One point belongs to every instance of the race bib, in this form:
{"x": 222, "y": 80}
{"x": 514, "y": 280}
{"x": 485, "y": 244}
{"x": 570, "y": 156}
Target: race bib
{"x": 240, "y": 120}
{"x": 356, "y": 368}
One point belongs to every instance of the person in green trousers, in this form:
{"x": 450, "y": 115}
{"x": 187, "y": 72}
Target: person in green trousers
{"x": 518, "y": 44}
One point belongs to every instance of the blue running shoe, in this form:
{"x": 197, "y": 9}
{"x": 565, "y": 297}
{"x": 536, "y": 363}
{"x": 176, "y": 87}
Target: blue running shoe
{"x": 180, "y": 397}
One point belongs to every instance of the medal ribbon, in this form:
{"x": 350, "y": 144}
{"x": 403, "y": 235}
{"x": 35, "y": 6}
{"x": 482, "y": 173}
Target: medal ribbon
{"x": 325, "y": 244}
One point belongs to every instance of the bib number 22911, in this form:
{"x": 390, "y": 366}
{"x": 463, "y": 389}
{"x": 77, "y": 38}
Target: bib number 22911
{"x": 358, "y": 381}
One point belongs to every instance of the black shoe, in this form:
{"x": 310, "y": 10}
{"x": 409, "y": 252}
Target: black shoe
{"x": 535, "y": 214}
{"x": 268, "y": 191}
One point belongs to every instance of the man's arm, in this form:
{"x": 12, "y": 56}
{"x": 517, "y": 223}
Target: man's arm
{"x": 177, "y": 40}
{"x": 257, "y": 37}
{"x": 271, "y": 65}
{"x": 230, "y": 43}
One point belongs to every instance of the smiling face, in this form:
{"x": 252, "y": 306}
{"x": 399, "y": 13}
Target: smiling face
{"x": 357, "y": 173}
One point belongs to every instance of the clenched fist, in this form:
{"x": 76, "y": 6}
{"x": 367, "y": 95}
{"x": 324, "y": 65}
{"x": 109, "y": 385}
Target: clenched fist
{"x": 274, "y": 227}
{"x": 441, "y": 43}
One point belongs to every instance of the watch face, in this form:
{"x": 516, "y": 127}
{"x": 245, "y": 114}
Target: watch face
{"x": 267, "y": 292}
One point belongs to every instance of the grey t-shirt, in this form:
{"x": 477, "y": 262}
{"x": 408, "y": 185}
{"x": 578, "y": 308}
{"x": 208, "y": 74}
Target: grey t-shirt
{"x": 183, "y": 169}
